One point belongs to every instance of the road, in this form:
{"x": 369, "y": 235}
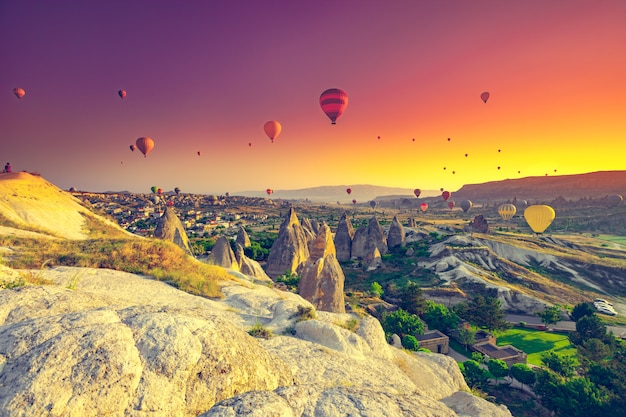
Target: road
{"x": 565, "y": 325}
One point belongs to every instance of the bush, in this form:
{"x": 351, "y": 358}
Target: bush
{"x": 258, "y": 330}
{"x": 410, "y": 342}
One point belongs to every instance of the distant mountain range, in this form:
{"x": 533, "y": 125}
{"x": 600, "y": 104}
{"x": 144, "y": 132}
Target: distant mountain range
{"x": 333, "y": 193}
{"x": 546, "y": 188}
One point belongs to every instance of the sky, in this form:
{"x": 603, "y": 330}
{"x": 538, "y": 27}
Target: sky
{"x": 205, "y": 76}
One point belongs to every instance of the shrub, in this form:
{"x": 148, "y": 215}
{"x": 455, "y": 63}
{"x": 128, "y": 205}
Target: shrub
{"x": 304, "y": 313}
{"x": 410, "y": 342}
{"x": 260, "y": 331}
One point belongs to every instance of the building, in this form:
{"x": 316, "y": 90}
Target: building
{"x": 435, "y": 341}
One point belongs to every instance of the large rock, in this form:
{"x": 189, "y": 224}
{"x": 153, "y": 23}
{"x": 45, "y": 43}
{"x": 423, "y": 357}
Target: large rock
{"x": 242, "y": 238}
{"x": 171, "y": 229}
{"x": 366, "y": 239}
{"x": 249, "y": 266}
{"x": 223, "y": 255}
{"x": 322, "y": 279}
{"x": 290, "y": 249}
{"x": 479, "y": 224}
{"x": 343, "y": 238}
{"x": 395, "y": 235}
{"x": 376, "y": 236}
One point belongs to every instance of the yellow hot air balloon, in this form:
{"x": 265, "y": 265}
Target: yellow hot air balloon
{"x": 272, "y": 129}
{"x": 539, "y": 217}
{"x": 507, "y": 211}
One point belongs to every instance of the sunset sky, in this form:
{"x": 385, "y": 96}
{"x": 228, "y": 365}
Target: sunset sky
{"x": 206, "y": 75}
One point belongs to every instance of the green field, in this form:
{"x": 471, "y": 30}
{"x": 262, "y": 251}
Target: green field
{"x": 615, "y": 239}
{"x": 536, "y": 342}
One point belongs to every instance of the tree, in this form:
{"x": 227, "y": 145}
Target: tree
{"x": 376, "y": 289}
{"x": 550, "y": 315}
{"x": 523, "y": 373}
{"x": 588, "y": 327}
{"x": 474, "y": 374}
{"x": 484, "y": 312}
{"x": 412, "y": 299}
{"x": 467, "y": 336}
{"x": 410, "y": 342}
{"x": 439, "y": 317}
{"x": 581, "y": 310}
{"x": 579, "y": 397}
{"x": 498, "y": 368}
{"x": 402, "y": 322}
{"x": 564, "y": 365}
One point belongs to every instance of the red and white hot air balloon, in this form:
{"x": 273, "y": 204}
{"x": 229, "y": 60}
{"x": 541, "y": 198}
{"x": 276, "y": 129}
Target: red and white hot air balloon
{"x": 333, "y": 102}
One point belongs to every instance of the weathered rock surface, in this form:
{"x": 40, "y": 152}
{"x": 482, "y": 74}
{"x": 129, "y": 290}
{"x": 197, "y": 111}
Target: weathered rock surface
{"x": 395, "y": 235}
{"x": 479, "y": 224}
{"x": 171, "y": 229}
{"x": 223, "y": 255}
{"x": 249, "y": 266}
{"x": 367, "y": 239}
{"x": 343, "y": 238}
{"x": 242, "y": 238}
{"x": 322, "y": 279}
{"x": 290, "y": 249}
{"x": 123, "y": 345}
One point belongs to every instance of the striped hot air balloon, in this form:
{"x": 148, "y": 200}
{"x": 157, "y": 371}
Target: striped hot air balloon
{"x": 507, "y": 211}
{"x": 333, "y": 102}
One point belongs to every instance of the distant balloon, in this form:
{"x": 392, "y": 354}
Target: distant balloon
{"x": 170, "y": 203}
{"x": 453, "y": 172}
{"x": 466, "y": 155}
{"x": 614, "y": 200}
{"x": 499, "y": 150}
{"x": 499, "y": 169}
{"x": 448, "y": 139}
{"x": 539, "y": 217}
{"x": 249, "y": 143}
{"x": 333, "y": 102}
{"x": 451, "y": 204}
{"x": 272, "y": 129}
{"x": 121, "y": 93}
{"x": 417, "y": 192}
{"x": 353, "y": 201}
{"x": 444, "y": 168}
{"x": 19, "y": 93}
{"x": 441, "y": 189}
{"x": 154, "y": 189}
{"x": 145, "y": 145}
{"x": 466, "y": 205}
{"x": 372, "y": 204}
{"x": 160, "y": 191}
{"x": 379, "y": 138}
{"x": 413, "y": 139}
{"x": 484, "y": 96}
{"x": 424, "y": 206}
{"x": 349, "y": 191}
{"x": 507, "y": 211}
{"x": 445, "y": 195}
{"x": 177, "y": 190}
{"x": 199, "y": 153}
{"x": 133, "y": 147}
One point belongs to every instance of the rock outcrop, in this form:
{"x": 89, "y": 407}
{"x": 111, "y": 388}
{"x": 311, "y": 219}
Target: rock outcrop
{"x": 343, "y": 238}
{"x": 479, "y": 225}
{"x": 223, "y": 255}
{"x": 249, "y": 266}
{"x": 366, "y": 239}
{"x": 290, "y": 249}
{"x": 395, "y": 235}
{"x": 322, "y": 279}
{"x": 242, "y": 238}
{"x": 171, "y": 229}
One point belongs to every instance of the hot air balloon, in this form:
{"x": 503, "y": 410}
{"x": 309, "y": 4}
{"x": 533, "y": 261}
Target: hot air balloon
{"x": 199, "y": 153}
{"x": 417, "y": 192}
{"x": 269, "y": 191}
{"x": 507, "y": 211}
{"x": 170, "y": 203}
{"x": 19, "y": 93}
{"x": 614, "y": 200}
{"x": 466, "y": 155}
{"x": 349, "y": 191}
{"x": 484, "y": 96}
{"x": 272, "y": 129}
{"x": 466, "y": 205}
{"x": 249, "y": 143}
{"x": 372, "y": 204}
{"x": 121, "y": 93}
{"x": 154, "y": 189}
{"x": 413, "y": 139}
{"x": 451, "y": 204}
{"x": 445, "y": 195}
{"x": 353, "y": 201}
{"x": 333, "y": 102}
{"x": 424, "y": 206}
{"x": 448, "y": 139}
{"x": 379, "y": 138}
{"x": 160, "y": 191}
{"x": 145, "y": 145}
{"x": 132, "y": 148}
{"x": 539, "y": 217}
{"x": 177, "y": 190}
{"x": 441, "y": 189}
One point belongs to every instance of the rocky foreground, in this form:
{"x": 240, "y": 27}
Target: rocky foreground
{"x": 101, "y": 342}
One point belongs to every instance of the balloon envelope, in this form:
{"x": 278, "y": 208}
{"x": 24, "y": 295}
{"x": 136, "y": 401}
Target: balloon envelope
{"x": 539, "y": 217}
{"x": 154, "y": 189}
{"x": 272, "y": 129}
{"x": 132, "y": 148}
{"x": 451, "y": 204}
{"x": 333, "y": 102}
{"x": 269, "y": 191}
{"x": 19, "y": 93}
{"x": 466, "y": 205}
{"x": 445, "y": 195}
{"x": 349, "y": 190}
{"x": 424, "y": 206}
{"x": 145, "y": 145}
{"x": 484, "y": 96}
{"x": 372, "y": 204}
{"x": 507, "y": 211}
{"x": 121, "y": 93}
{"x": 417, "y": 192}
{"x": 353, "y": 201}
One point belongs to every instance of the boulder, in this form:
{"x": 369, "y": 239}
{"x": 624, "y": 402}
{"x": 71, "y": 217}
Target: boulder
{"x": 395, "y": 235}
{"x": 290, "y": 249}
{"x": 322, "y": 279}
{"x": 222, "y": 254}
{"x": 343, "y": 239}
{"x": 366, "y": 239}
{"x": 242, "y": 238}
{"x": 249, "y": 266}
{"x": 479, "y": 225}
{"x": 171, "y": 229}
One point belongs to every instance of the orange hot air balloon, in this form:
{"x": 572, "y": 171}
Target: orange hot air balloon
{"x": 417, "y": 192}
{"x": 539, "y": 217}
{"x": 160, "y": 191}
{"x": 451, "y": 204}
{"x": 132, "y": 148}
{"x": 272, "y": 129}
{"x": 445, "y": 195}
{"x": 333, "y": 102}
{"x": 424, "y": 206}
{"x": 484, "y": 96}
{"x": 349, "y": 191}
{"x": 145, "y": 145}
{"x": 19, "y": 93}
{"x": 121, "y": 93}
{"x": 353, "y": 201}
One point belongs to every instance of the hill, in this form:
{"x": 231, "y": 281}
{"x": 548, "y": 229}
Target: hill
{"x": 547, "y": 188}
{"x": 334, "y": 193}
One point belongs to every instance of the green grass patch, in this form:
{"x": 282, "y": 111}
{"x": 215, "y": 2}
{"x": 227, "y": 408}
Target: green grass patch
{"x": 612, "y": 238}
{"x": 536, "y": 342}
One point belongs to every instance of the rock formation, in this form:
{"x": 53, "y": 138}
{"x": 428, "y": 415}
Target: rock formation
{"x": 376, "y": 235}
{"x": 290, "y": 249}
{"x": 222, "y": 254}
{"x": 242, "y": 238}
{"x": 249, "y": 266}
{"x": 322, "y": 279}
{"x": 359, "y": 243}
{"x": 343, "y": 238}
{"x": 479, "y": 224}
{"x": 395, "y": 235}
{"x": 367, "y": 238}
{"x": 171, "y": 229}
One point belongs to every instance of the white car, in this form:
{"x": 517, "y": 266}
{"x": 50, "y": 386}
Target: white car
{"x": 602, "y": 301}
{"x": 606, "y": 310}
